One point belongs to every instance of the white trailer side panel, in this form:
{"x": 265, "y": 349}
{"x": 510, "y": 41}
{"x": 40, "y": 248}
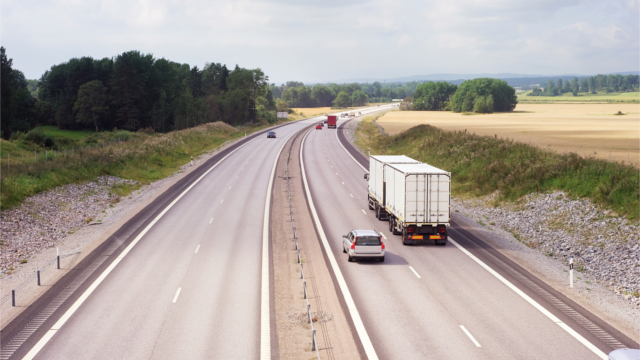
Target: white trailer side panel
{"x": 376, "y": 172}
{"x": 418, "y": 193}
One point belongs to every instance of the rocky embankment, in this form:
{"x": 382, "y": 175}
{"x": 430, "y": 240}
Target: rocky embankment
{"x": 602, "y": 244}
{"x": 45, "y": 219}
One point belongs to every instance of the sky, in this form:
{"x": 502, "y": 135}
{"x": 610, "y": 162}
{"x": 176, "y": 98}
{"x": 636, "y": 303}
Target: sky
{"x": 327, "y": 41}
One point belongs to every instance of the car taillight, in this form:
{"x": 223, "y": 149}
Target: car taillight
{"x": 381, "y": 243}
{"x": 353, "y": 244}
{"x": 441, "y": 229}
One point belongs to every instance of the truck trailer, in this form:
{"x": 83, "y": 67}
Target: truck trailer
{"x": 332, "y": 120}
{"x": 418, "y": 200}
{"x": 377, "y": 185}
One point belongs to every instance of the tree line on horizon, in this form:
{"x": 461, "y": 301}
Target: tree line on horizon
{"x": 591, "y": 84}
{"x": 294, "y": 94}
{"x": 133, "y": 91}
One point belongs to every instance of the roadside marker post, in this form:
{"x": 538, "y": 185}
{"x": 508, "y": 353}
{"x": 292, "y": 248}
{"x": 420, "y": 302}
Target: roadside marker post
{"x": 571, "y": 272}
{"x": 13, "y": 298}
{"x": 38, "y": 275}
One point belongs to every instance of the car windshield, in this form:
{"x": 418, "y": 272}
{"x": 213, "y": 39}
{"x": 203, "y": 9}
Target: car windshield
{"x": 367, "y": 240}
{"x": 271, "y": 132}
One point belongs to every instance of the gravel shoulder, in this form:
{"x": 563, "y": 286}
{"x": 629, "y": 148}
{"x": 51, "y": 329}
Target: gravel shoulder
{"x": 72, "y": 219}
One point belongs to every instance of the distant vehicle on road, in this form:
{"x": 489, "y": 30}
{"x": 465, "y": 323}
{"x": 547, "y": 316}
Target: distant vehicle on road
{"x": 363, "y": 244}
{"x": 318, "y": 127}
{"x": 271, "y": 134}
{"x": 332, "y": 120}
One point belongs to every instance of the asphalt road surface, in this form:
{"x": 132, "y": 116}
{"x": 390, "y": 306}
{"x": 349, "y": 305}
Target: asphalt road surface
{"x": 437, "y": 302}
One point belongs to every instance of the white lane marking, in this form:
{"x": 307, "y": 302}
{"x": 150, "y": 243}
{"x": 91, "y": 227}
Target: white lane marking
{"x": 175, "y": 298}
{"x": 351, "y": 195}
{"x": 345, "y": 149}
{"x": 197, "y": 248}
{"x": 383, "y": 236}
{"x": 265, "y": 316}
{"x": 348, "y": 299}
{"x": 343, "y": 183}
{"x": 63, "y": 319}
{"x": 470, "y": 336}
{"x": 528, "y": 299}
{"x": 222, "y": 201}
{"x": 236, "y": 177}
{"x": 210, "y": 221}
{"x": 415, "y": 272}
{"x": 336, "y": 173}
{"x": 363, "y": 211}
{"x": 332, "y": 166}
{"x": 229, "y": 187}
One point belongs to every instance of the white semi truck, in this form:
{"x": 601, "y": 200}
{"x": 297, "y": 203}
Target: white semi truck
{"x": 417, "y": 200}
{"x": 377, "y": 184}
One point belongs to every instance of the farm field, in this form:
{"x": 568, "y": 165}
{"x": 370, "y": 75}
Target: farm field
{"x": 309, "y": 112}
{"x": 587, "y": 129}
{"x": 627, "y": 97}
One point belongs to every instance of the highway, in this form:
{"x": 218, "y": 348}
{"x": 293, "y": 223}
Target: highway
{"x": 438, "y": 302}
{"x": 191, "y": 285}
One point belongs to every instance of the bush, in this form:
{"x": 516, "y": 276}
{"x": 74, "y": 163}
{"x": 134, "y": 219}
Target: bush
{"x": 48, "y": 143}
{"x": 504, "y": 96}
{"x": 483, "y": 105}
{"x": 36, "y": 136}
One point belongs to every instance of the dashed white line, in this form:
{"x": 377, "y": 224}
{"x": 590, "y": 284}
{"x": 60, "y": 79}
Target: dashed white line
{"x": 351, "y": 195}
{"x": 470, "y": 336}
{"x": 175, "y": 298}
{"x": 210, "y": 221}
{"x": 229, "y": 187}
{"x": 383, "y": 236}
{"x": 415, "y": 272}
{"x": 197, "y": 248}
{"x": 363, "y": 211}
{"x": 343, "y": 183}
{"x": 222, "y": 201}
{"x": 336, "y": 173}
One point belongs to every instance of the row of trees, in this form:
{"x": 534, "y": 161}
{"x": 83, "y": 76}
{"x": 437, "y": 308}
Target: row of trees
{"x": 296, "y": 94}
{"x": 483, "y": 95}
{"x": 592, "y": 84}
{"x": 134, "y": 91}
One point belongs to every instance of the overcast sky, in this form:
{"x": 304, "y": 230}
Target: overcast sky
{"x": 321, "y": 41}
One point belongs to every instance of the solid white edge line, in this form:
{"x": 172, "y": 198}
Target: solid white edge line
{"x": 265, "y": 315}
{"x": 210, "y": 221}
{"x": 364, "y": 212}
{"x": 175, "y": 298}
{"x": 470, "y": 336}
{"x": 415, "y": 272}
{"x": 383, "y": 236}
{"x": 197, "y": 248}
{"x": 534, "y": 303}
{"x": 45, "y": 339}
{"x": 222, "y": 201}
{"x": 351, "y": 195}
{"x": 351, "y": 305}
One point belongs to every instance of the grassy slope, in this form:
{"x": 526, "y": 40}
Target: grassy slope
{"x": 628, "y": 97}
{"x": 142, "y": 157}
{"x": 481, "y": 165}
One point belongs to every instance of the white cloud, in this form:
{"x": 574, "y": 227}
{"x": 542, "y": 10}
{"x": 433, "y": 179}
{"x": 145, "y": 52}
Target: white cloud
{"x": 331, "y": 40}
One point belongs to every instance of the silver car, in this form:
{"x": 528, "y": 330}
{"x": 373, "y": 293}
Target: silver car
{"x": 363, "y": 244}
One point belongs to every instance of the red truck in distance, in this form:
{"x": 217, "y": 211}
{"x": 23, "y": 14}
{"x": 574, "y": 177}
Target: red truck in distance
{"x": 331, "y": 121}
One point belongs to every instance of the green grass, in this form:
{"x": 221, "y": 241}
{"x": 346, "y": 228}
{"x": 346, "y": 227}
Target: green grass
{"x": 480, "y": 165}
{"x": 143, "y": 158}
{"x": 627, "y": 97}
{"x": 54, "y": 132}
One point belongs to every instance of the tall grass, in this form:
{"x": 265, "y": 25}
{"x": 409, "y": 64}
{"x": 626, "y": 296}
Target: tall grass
{"x": 480, "y": 165}
{"x": 143, "y": 157}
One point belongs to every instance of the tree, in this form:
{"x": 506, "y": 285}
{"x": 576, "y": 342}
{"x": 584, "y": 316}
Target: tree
{"x": 584, "y": 85}
{"x": 433, "y": 96}
{"x": 359, "y": 98}
{"x": 483, "y": 104}
{"x": 321, "y": 95}
{"x": 504, "y": 96}
{"x": 7, "y": 90}
{"x": 91, "y": 103}
{"x": 342, "y": 100}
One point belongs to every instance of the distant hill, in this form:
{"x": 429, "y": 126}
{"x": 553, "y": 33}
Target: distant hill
{"x": 511, "y": 79}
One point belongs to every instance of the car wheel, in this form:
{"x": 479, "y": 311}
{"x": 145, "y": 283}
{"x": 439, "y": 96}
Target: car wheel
{"x": 350, "y": 258}
{"x": 381, "y": 259}
{"x": 344, "y": 250}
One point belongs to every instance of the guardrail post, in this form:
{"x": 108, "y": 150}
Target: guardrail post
{"x": 309, "y": 312}
{"x": 58, "y": 257}
{"x": 301, "y": 273}
{"x": 304, "y": 285}
{"x": 299, "y": 262}
{"x": 38, "y": 276}
{"x": 313, "y": 344}
{"x": 13, "y": 298}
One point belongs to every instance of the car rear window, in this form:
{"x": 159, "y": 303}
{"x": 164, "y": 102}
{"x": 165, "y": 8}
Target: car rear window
{"x": 368, "y": 240}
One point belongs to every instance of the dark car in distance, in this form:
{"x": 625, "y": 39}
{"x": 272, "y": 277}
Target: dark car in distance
{"x": 271, "y": 134}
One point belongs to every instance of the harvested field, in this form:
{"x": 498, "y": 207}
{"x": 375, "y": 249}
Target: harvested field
{"x": 308, "y": 112}
{"x": 601, "y": 97}
{"x": 587, "y": 129}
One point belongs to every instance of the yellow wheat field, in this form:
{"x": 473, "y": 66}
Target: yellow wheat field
{"x": 587, "y": 129}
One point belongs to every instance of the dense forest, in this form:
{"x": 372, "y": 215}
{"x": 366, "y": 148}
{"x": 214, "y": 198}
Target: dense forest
{"x": 592, "y": 84}
{"x": 133, "y": 91}
{"x": 295, "y": 94}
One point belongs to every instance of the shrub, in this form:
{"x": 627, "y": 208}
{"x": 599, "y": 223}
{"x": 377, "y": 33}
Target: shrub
{"x": 483, "y": 104}
{"x": 36, "y": 136}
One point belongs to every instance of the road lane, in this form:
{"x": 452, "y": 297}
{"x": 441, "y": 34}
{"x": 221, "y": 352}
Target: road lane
{"x": 452, "y": 290}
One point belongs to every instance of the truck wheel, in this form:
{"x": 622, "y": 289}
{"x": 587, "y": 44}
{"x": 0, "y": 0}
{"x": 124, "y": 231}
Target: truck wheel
{"x": 377, "y": 211}
{"x": 380, "y": 214}
{"x": 391, "y": 224}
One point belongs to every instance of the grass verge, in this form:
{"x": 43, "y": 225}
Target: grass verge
{"x": 481, "y": 165}
{"x": 142, "y": 157}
